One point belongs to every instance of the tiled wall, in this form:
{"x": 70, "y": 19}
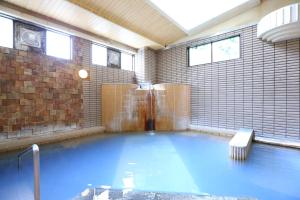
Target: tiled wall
{"x": 260, "y": 90}
{"x": 145, "y": 65}
{"x": 92, "y": 86}
{"x": 139, "y": 67}
{"x": 150, "y": 65}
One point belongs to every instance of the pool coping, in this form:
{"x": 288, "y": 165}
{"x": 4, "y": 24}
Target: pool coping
{"x": 125, "y": 194}
{"x": 23, "y": 142}
{"x": 230, "y": 133}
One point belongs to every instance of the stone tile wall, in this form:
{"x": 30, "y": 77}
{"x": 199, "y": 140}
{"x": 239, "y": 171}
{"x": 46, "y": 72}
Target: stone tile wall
{"x": 38, "y": 94}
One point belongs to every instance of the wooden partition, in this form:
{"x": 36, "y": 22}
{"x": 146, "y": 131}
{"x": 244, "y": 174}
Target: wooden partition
{"x": 119, "y": 107}
{"x": 125, "y": 107}
{"x": 172, "y": 106}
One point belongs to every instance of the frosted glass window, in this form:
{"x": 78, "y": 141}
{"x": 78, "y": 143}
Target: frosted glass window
{"x": 200, "y": 55}
{"x": 58, "y": 45}
{"x": 6, "y": 32}
{"x": 127, "y": 61}
{"x": 99, "y": 55}
{"x": 226, "y": 49}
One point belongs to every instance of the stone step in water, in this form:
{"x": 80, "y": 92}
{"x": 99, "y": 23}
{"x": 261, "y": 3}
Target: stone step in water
{"x": 239, "y": 145}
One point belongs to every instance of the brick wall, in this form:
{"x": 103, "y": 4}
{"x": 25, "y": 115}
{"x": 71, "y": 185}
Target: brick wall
{"x": 260, "y": 90}
{"x": 38, "y": 94}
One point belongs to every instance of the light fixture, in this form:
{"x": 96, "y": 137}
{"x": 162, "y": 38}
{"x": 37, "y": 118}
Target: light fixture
{"x": 83, "y": 73}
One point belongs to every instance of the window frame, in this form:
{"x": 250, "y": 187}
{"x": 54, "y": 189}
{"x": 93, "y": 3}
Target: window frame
{"x": 47, "y": 29}
{"x": 211, "y": 45}
{"x": 132, "y": 60}
{"x": 70, "y": 47}
{"x": 227, "y": 38}
{"x": 108, "y": 47}
{"x": 188, "y": 54}
{"x": 13, "y": 30}
{"x": 91, "y": 53}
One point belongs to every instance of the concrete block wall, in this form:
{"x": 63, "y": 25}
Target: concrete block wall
{"x": 260, "y": 90}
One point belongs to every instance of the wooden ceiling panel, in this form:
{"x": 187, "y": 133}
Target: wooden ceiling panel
{"x": 137, "y": 16}
{"x": 77, "y": 16}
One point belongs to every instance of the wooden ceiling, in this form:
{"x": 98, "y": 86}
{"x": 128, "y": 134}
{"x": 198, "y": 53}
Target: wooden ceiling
{"x": 136, "y": 23}
{"x": 72, "y": 14}
{"x": 137, "y": 16}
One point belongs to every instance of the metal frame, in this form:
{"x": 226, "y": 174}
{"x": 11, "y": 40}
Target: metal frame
{"x": 36, "y": 167}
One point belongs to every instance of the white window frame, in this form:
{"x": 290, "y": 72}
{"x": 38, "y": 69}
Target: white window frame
{"x": 212, "y": 51}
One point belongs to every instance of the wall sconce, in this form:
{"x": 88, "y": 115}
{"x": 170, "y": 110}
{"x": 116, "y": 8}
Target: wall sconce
{"x": 83, "y": 73}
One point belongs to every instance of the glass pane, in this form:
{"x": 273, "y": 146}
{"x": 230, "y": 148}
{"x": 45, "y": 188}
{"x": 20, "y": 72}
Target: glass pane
{"x": 58, "y": 45}
{"x": 99, "y": 55}
{"x": 126, "y": 61}
{"x": 226, "y": 49}
{"x": 200, "y": 55}
{"x": 6, "y": 32}
{"x": 191, "y": 13}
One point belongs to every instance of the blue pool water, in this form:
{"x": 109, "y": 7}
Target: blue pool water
{"x": 196, "y": 163}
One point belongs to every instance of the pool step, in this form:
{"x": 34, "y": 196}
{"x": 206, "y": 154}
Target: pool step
{"x": 239, "y": 145}
{"x": 113, "y": 194}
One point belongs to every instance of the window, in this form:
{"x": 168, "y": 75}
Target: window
{"x": 6, "y": 33}
{"x": 126, "y": 61}
{"x": 192, "y": 13}
{"x": 199, "y": 55}
{"x": 99, "y": 55}
{"x": 58, "y": 45}
{"x": 226, "y": 49}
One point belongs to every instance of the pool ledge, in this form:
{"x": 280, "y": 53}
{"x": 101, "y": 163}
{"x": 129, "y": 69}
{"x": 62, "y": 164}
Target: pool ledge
{"x": 230, "y": 133}
{"x": 19, "y": 143}
{"x": 214, "y": 131}
{"x": 114, "y": 194}
{"x": 279, "y": 142}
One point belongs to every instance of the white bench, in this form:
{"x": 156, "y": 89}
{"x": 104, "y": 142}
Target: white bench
{"x": 240, "y": 144}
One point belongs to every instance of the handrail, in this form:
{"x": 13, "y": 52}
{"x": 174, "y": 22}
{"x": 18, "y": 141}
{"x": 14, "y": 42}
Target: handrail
{"x": 36, "y": 167}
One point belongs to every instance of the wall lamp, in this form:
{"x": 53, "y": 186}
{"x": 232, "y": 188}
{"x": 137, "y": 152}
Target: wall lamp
{"x": 83, "y": 73}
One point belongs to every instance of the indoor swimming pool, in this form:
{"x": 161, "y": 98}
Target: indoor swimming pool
{"x": 172, "y": 162}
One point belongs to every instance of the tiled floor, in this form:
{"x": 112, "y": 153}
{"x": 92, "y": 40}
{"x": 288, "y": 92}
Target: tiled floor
{"x": 108, "y": 194}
